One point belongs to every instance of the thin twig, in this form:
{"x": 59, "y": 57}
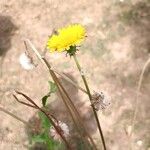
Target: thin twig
{"x": 69, "y": 110}
{"x": 40, "y": 57}
{"x": 69, "y": 80}
{"x": 14, "y": 116}
{"x": 43, "y": 60}
{"x": 57, "y": 128}
{"x": 23, "y": 102}
{"x": 138, "y": 93}
{"x": 71, "y": 104}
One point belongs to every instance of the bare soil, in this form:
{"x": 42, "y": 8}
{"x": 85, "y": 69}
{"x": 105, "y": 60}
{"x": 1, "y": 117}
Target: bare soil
{"x": 113, "y": 56}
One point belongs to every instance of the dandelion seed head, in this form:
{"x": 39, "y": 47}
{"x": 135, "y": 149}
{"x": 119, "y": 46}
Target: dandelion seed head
{"x": 26, "y": 62}
{"x": 64, "y": 129}
{"x": 100, "y": 100}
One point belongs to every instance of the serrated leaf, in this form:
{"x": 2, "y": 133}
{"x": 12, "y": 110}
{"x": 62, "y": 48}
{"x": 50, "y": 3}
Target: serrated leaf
{"x": 52, "y": 86}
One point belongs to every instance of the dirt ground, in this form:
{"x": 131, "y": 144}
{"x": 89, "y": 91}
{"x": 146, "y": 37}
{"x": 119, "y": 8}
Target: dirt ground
{"x": 113, "y": 56}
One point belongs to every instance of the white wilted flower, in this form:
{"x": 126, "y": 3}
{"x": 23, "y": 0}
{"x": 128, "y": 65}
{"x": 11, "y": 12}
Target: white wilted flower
{"x": 64, "y": 130}
{"x": 26, "y": 62}
{"x": 139, "y": 142}
{"x": 100, "y": 100}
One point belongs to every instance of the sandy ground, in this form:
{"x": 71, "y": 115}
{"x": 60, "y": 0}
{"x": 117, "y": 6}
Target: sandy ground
{"x": 113, "y": 55}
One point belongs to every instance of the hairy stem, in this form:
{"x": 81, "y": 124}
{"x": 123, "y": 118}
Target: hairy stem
{"x": 90, "y": 97}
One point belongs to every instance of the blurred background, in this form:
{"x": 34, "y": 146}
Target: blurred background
{"x": 113, "y": 55}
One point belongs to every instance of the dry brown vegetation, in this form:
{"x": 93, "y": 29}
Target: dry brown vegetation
{"x": 113, "y": 56}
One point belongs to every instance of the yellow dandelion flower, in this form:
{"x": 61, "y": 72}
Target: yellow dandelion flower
{"x": 66, "y": 37}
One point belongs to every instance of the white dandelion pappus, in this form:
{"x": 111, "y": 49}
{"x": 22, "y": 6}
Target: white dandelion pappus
{"x": 64, "y": 130}
{"x": 139, "y": 143}
{"x": 100, "y": 100}
{"x": 26, "y": 62}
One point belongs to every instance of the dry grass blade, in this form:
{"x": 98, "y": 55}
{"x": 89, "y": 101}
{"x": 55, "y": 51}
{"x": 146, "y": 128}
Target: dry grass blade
{"x": 44, "y": 61}
{"x": 137, "y": 94}
{"x": 23, "y": 102}
{"x": 57, "y": 128}
{"x": 14, "y": 116}
{"x": 40, "y": 57}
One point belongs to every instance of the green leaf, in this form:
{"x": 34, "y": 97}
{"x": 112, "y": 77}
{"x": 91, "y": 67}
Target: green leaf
{"x": 44, "y": 120}
{"x": 38, "y": 139}
{"x": 44, "y": 136}
{"x": 52, "y": 86}
{"x": 44, "y": 99}
{"x": 50, "y": 143}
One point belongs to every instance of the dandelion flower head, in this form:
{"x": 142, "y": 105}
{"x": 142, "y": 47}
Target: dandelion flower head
{"x": 66, "y": 37}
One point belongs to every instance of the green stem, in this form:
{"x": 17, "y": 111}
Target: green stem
{"x": 69, "y": 102}
{"x": 90, "y": 97}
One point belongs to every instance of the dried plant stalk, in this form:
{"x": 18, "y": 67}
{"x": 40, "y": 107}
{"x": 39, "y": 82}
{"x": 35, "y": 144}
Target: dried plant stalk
{"x": 15, "y": 117}
{"x": 49, "y": 116}
{"x": 44, "y": 61}
{"x": 137, "y": 95}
